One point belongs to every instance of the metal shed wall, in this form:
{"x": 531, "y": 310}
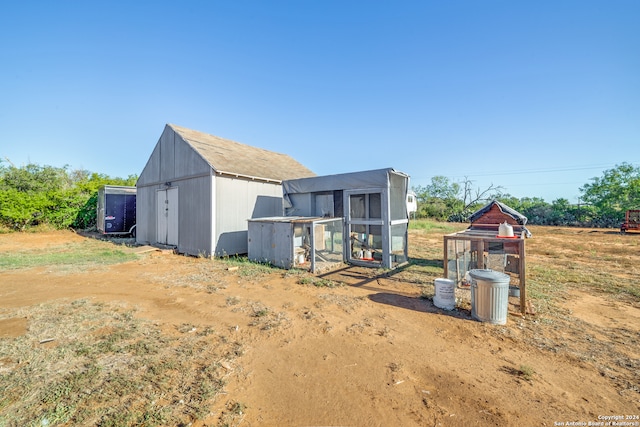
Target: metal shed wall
{"x": 171, "y": 159}
{"x": 272, "y": 242}
{"x": 194, "y": 214}
{"x": 146, "y": 214}
{"x": 213, "y": 205}
{"x": 238, "y": 200}
{"x": 151, "y": 172}
{"x": 195, "y": 225}
{"x": 299, "y": 194}
{"x": 174, "y": 164}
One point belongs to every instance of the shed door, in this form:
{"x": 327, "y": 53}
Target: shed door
{"x": 167, "y": 213}
{"x": 365, "y": 228}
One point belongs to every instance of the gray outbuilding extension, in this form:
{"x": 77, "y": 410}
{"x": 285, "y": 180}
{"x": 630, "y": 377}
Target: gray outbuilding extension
{"x": 372, "y": 205}
{"x": 197, "y": 191}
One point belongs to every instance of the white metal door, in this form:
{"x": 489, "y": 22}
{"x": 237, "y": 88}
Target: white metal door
{"x": 167, "y": 216}
{"x": 161, "y": 217}
{"x": 172, "y": 216}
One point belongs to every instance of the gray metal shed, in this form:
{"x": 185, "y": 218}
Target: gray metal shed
{"x": 372, "y": 204}
{"x": 197, "y": 191}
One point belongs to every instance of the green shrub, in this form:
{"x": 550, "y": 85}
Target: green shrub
{"x": 34, "y": 195}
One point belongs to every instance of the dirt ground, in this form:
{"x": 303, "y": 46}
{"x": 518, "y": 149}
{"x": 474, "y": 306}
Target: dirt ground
{"x": 371, "y": 352}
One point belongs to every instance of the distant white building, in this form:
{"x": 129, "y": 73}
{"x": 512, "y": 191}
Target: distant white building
{"x": 412, "y": 203}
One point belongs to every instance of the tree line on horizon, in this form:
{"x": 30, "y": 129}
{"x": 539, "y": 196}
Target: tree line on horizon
{"x": 59, "y": 197}
{"x": 604, "y": 200}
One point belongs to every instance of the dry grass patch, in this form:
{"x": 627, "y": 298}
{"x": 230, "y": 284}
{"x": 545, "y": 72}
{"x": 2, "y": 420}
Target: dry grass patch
{"x": 82, "y": 363}
{"x": 68, "y": 257}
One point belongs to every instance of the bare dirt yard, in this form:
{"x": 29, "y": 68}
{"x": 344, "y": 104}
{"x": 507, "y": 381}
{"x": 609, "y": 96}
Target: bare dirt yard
{"x": 356, "y": 347}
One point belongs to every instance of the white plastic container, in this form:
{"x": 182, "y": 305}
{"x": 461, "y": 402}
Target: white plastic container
{"x": 445, "y": 296}
{"x": 505, "y": 230}
{"x": 489, "y": 296}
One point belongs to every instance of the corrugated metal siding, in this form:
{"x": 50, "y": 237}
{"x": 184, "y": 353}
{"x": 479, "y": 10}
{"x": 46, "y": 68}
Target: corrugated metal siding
{"x": 175, "y": 162}
{"x": 271, "y": 242}
{"x": 146, "y": 214}
{"x": 238, "y": 200}
{"x": 167, "y": 156}
{"x": 151, "y": 172}
{"x": 172, "y": 159}
{"x": 187, "y": 161}
{"x": 194, "y": 222}
{"x": 194, "y": 215}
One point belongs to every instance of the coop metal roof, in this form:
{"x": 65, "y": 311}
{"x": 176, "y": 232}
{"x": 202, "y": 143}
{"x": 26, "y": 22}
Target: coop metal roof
{"x": 233, "y": 158}
{"x": 517, "y": 216}
{"x": 378, "y": 178}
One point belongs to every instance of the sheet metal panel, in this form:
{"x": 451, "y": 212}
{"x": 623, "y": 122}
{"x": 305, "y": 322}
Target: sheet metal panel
{"x": 167, "y": 155}
{"x": 238, "y": 200}
{"x": 362, "y": 180}
{"x": 146, "y": 214}
{"x": 271, "y": 242}
{"x": 151, "y": 171}
{"x": 188, "y": 162}
{"x": 162, "y": 217}
{"x": 172, "y": 159}
{"x": 159, "y": 167}
{"x": 195, "y": 222}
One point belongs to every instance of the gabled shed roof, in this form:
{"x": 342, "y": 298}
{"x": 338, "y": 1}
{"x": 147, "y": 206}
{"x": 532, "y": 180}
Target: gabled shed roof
{"x": 233, "y": 158}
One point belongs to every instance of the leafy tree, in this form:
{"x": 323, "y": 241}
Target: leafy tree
{"x": 438, "y": 199}
{"x": 33, "y": 178}
{"x": 86, "y": 217}
{"x": 614, "y": 193}
{"x": 534, "y": 208}
{"x": 511, "y": 201}
{"x": 34, "y": 194}
{"x": 442, "y": 188}
{"x": 453, "y": 201}
{"x": 603, "y": 203}
{"x": 18, "y": 211}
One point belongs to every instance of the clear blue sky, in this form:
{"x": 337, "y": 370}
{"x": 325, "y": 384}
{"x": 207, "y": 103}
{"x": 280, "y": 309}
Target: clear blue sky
{"x": 535, "y": 96}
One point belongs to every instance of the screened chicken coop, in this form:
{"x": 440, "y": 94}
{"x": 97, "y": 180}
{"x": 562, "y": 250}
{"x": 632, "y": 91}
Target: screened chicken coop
{"x": 314, "y": 244}
{"x": 372, "y": 204}
{"x": 495, "y": 240}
